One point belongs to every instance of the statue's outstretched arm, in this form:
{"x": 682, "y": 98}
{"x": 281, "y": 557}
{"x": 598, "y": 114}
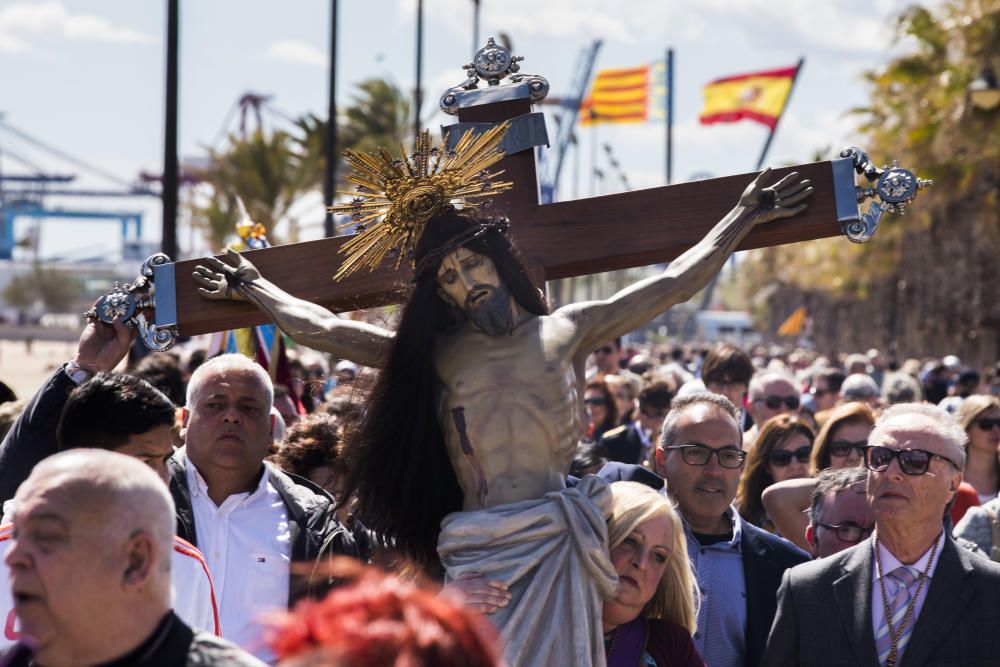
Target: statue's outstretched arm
{"x": 307, "y": 323}
{"x": 599, "y": 321}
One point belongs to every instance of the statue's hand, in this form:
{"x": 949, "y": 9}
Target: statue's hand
{"x": 781, "y": 200}
{"x": 221, "y": 280}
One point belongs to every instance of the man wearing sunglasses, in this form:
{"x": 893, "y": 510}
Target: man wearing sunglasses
{"x": 771, "y": 393}
{"x": 907, "y": 595}
{"x": 738, "y": 565}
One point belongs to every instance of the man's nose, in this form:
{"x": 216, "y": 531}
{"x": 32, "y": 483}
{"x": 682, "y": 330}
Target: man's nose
{"x": 231, "y": 414}
{"x": 15, "y": 555}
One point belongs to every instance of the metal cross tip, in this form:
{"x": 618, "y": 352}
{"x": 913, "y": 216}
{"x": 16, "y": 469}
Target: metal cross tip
{"x": 90, "y": 315}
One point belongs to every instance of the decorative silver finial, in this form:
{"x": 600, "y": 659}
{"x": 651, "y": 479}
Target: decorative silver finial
{"x": 130, "y": 303}
{"x": 492, "y": 64}
{"x": 894, "y": 188}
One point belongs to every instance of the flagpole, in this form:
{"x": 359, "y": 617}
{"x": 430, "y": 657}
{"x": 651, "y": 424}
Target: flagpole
{"x": 670, "y": 114}
{"x": 767, "y": 144}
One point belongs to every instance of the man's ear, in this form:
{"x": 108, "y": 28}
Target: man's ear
{"x": 812, "y": 540}
{"x": 271, "y": 430}
{"x": 660, "y": 462}
{"x": 140, "y": 559}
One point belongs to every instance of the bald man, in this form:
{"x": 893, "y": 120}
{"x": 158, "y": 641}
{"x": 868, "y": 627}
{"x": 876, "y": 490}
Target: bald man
{"x": 90, "y": 564}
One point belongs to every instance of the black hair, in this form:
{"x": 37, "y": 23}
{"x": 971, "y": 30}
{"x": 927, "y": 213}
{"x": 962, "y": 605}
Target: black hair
{"x": 398, "y": 464}
{"x": 108, "y": 409}
{"x": 163, "y": 371}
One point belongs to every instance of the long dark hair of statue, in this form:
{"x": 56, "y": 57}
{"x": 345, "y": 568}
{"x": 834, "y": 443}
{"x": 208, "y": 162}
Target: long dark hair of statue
{"x": 399, "y": 467}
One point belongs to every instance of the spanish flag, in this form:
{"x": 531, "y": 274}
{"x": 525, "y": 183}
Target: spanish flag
{"x": 760, "y": 96}
{"x": 626, "y": 95}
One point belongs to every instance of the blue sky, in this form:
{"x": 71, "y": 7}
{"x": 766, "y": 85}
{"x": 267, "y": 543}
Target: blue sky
{"x": 88, "y": 75}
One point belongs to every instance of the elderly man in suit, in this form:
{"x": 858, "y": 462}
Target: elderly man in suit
{"x": 908, "y": 595}
{"x": 739, "y": 566}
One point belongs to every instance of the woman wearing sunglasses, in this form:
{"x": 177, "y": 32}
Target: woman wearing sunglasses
{"x": 783, "y": 451}
{"x": 979, "y": 415}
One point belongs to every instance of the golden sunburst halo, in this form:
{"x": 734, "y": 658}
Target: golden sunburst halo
{"x": 407, "y": 192}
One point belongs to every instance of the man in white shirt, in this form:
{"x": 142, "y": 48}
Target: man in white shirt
{"x": 908, "y": 595}
{"x": 251, "y": 520}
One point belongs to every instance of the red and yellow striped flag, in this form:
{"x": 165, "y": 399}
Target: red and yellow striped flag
{"x": 759, "y": 96}
{"x": 618, "y": 96}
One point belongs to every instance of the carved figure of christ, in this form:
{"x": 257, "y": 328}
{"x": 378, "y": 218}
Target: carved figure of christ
{"x": 509, "y": 404}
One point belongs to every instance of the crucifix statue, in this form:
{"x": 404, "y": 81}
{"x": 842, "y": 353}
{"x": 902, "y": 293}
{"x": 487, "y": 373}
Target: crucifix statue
{"x": 473, "y": 423}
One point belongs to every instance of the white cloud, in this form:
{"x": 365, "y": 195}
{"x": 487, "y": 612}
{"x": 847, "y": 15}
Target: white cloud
{"x": 297, "y": 53}
{"x": 22, "y": 25}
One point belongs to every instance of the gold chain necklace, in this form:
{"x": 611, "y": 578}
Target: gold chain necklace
{"x": 894, "y": 635}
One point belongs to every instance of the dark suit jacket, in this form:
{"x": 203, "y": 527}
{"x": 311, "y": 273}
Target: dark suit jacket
{"x": 765, "y": 559}
{"x": 622, "y": 444}
{"x": 825, "y": 618}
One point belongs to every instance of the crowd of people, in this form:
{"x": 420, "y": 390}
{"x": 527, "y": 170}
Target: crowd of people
{"x": 184, "y": 510}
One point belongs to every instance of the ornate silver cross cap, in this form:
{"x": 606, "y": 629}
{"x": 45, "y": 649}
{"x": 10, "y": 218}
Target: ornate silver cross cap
{"x": 492, "y": 63}
{"x": 893, "y": 189}
{"x": 130, "y": 301}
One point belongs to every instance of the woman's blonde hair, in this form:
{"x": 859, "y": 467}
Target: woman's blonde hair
{"x": 677, "y": 596}
{"x": 973, "y": 406}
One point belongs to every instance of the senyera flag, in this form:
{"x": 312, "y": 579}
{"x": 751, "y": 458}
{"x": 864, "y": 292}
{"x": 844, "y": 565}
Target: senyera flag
{"x": 759, "y": 96}
{"x": 626, "y": 95}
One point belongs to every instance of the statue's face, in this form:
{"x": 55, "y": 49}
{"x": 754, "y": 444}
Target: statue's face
{"x": 470, "y": 281}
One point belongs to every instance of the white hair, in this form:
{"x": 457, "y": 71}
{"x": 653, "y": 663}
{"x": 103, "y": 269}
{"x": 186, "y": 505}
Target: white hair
{"x": 229, "y": 362}
{"x": 859, "y": 386}
{"x": 760, "y": 379}
{"x": 945, "y": 426}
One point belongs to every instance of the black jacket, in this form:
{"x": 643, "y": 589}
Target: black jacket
{"x": 33, "y": 436}
{"x": 765, "y": 559}
{"x": 622, "y": 444}
{"x": 316, "y": 535}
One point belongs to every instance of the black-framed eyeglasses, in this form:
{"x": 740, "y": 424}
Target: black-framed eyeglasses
{"x": 849, "y": 532}
{"x": 842, "y": 448}
{"x": 700, "y": 455}
{"x": 774, "y": 402}
{"x": 594, "y": 401}
{"x": 911, "y": 461}
{"x": 782, "y": 457}
{"x": 988, "y": 424}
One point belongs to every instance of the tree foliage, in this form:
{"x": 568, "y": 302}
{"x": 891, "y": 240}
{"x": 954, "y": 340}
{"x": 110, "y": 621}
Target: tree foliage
{"x": 272, "y": 170}
{"x": 925, "y": 283}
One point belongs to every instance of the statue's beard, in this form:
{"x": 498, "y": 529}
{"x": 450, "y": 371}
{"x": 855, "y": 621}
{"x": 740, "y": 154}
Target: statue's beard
{"x": 492, "y": 312}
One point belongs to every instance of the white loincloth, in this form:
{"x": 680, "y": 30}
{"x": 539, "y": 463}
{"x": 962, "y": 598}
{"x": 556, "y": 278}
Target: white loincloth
{"x": 553, "y": 555}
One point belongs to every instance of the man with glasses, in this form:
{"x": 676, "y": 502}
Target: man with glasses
{"x": 738, "y": 565}
{"x": 771, "y": 393}
{"x": 907, "y": 595}
{"x": 825, "y": 388}
{"x": 839, "y": 513}
{"x": 632, "y": 443}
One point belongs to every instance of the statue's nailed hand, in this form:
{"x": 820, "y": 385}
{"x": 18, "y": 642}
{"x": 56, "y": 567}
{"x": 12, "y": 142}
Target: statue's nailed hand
{"x": 781, "y": 200}
{"x": 222, "y": 279}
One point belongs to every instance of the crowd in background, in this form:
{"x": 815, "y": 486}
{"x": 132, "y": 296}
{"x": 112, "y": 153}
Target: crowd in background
{"x": 790, "y": 430}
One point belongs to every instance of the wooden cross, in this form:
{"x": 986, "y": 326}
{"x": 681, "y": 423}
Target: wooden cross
{"x": 557, "y": 240}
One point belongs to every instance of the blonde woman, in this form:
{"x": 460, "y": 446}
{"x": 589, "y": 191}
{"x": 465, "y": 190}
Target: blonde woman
{"x": 651, "y": 620}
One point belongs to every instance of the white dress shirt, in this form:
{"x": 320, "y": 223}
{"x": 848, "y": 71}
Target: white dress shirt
{"x": 247, "y": 543}
{"x": 888, "y": 564}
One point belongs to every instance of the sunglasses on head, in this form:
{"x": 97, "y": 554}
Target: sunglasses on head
{"x": 911, "y": 461}
{"x": 842, "y": 448}
{"x": 774, "y": 402}
{"x": 849, "y": 532}
{"x": 988, "y": 424}
{"x": 783, "y": 457}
